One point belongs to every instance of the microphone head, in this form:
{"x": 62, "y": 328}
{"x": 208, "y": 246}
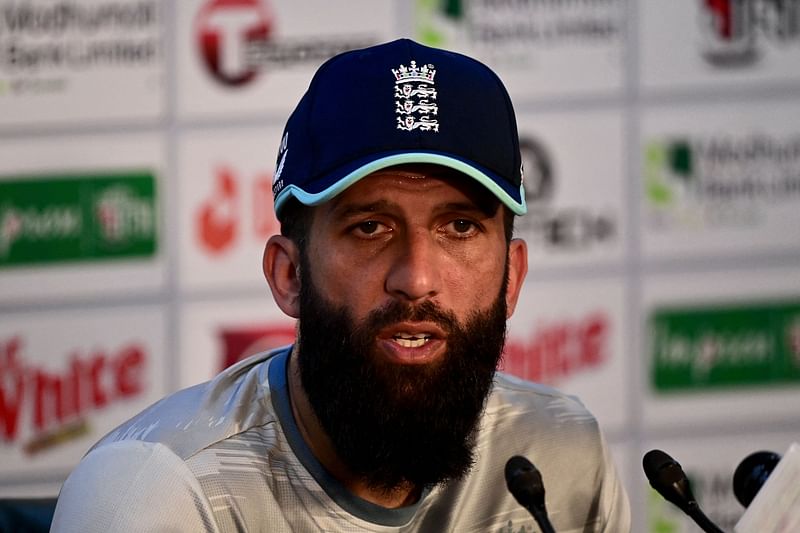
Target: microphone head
{"x": 752, "y": 473}
{"x": 524, "y": 482}
{"x": 668, "y": 478}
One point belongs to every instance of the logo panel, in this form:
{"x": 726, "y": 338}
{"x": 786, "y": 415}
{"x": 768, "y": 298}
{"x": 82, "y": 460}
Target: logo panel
{"x": 245, "y": 56}
{"x": 51, "y": 219}
{"x": 60, "y": 61}
{"x": 571, "y": 335}
{"x": 700, "y": 348}
{"x": 720, "y": 345}
{"x": 226, "y": 213}
{"x": 724, "y": 42}
{"x": 718, "y": 182}
{"x": 739, "y": 32}
{"x": 539, "y": 49}
{"x": 66, "y": 379}
{"x": 573, "y": 189}
{"x": 215, "y": 335}
{"x": 80, "y": 216}
{"x": 225, "y": 29}
{"x": 560, "y": 348}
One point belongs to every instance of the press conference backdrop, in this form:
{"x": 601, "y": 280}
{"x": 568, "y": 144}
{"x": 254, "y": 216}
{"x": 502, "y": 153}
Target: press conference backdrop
{"x": 661, "y": 143}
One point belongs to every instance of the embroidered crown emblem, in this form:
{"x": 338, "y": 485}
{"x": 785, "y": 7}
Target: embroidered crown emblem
{"x": 424, "y": 74}
{"x": 414, "y": 93}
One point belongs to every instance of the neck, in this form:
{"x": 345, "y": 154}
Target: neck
{"x": 322, "y": 448}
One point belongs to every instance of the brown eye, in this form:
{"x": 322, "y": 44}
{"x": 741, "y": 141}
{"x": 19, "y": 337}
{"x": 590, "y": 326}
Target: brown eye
{"x": 462, "y": 226}
{"x": 369, "y": 227}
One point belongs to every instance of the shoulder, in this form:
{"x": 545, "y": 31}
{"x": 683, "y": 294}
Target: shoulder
{"x": 191, "y": 419}
{"x": 514, "y": 400}
{"x": 149, "y": 473}
{"x": 562, "y": 438}
{"x": 158, "y": 490}
{"x": 552, "y": 429}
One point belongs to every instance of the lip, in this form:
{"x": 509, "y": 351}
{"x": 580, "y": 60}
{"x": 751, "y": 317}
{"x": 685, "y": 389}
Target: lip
{"x": 431, "y": 350}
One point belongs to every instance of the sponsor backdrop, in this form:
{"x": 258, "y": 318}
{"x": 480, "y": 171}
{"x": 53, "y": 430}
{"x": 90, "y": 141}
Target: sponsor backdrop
{"x": 661, "y": 144}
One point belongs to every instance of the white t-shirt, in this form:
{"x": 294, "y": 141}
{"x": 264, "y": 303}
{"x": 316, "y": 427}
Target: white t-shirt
{"x": 226, "y": 456}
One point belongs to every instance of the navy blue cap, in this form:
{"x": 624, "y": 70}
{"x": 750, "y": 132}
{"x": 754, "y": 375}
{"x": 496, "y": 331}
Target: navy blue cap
{"x": 396, "y": 103}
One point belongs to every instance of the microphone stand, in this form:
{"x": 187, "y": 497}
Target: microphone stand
{"x": 540, "y": 515}
{"x": 695, "y": 513}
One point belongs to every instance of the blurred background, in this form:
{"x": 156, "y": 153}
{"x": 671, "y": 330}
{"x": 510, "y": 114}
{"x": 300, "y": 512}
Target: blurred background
{"x": 661, "y": 144}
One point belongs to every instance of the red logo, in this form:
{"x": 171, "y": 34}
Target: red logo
{"x": 219, "y": 216}
{"x": 242, "y": 342}
{"x": 734, "y": 30}
{"x": 58, "y": 402}
{"x": 559, "y": 349}
{"x": 226, "y": 28}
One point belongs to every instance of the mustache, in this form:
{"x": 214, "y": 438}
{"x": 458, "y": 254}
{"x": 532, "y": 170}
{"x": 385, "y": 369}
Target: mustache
{"x": 397, "y": 311}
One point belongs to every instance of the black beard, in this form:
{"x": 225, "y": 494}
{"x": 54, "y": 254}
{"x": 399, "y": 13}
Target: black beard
{"x": 395, "y": 424}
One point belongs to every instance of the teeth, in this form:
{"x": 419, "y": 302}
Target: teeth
{"x": 411, "y": 341}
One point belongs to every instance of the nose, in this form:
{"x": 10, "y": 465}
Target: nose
{"x": 415, "y": 274}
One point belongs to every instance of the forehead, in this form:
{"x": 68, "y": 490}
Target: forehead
{"x": 421, "y": 185}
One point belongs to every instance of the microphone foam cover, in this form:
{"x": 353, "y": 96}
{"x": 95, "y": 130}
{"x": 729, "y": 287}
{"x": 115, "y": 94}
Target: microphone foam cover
{"x": 752, "y": 473}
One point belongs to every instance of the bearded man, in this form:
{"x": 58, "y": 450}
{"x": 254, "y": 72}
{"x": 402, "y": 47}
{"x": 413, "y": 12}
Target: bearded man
{"x": 397, "y": 182}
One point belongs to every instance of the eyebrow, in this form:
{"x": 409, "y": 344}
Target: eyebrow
{"x": 467, "y": 206}
{"x": 355, "y": 209}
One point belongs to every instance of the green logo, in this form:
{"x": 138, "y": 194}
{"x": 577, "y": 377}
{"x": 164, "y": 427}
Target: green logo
{"x": 667, "y": 165}
{"x": 52, "y": 219}
{"x": 719, "y": 181}
{"x": 436, "y": 19}
{"x": 725, "y": 346}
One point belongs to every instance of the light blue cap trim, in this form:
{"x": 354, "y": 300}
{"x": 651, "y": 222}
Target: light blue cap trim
{"x": 306, "y": 198}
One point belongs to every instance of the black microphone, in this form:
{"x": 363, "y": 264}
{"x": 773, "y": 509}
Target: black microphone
{"x": 752, "y": 473}
{"x": 525, "y": 483}
{"x": 669, "y": 480}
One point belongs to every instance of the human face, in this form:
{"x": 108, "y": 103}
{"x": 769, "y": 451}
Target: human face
{"x": 402, "y": 287}
{"x": 413, "y": 234}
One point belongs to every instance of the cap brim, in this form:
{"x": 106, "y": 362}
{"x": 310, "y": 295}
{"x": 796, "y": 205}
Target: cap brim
{"x": 337, "y": 182}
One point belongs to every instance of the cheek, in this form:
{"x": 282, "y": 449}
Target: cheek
{"x": 474, "y": 283}
{"x": 344, "y": 281}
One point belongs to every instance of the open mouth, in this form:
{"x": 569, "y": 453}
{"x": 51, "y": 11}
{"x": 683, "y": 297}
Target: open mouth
{"x": 409, "y": 340}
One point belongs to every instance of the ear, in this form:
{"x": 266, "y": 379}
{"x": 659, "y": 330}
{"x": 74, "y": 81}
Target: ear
{"x": 517, "y": 270}
{"x": 281, "y": 266}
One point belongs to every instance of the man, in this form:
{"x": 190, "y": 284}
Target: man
{"x": 397, "y": 181}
